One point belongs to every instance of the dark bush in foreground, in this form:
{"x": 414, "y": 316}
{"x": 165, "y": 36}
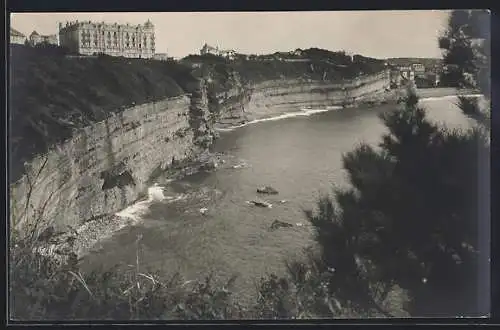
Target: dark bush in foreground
{"x": 43, "y": 289}
{"x": 411, "y": 217}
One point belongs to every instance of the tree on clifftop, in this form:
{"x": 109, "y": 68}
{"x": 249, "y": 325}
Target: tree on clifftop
{"x": 466, "y": 47}
{"x": 467, "y": 57}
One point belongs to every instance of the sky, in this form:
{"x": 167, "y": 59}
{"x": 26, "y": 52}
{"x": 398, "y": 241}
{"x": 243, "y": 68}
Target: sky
{"x": 379, "y": 34}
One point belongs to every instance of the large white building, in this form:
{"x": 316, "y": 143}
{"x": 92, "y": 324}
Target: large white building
{"x": 90, "y": 38}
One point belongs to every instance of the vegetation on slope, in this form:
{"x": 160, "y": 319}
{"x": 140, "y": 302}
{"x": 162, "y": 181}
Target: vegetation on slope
{"x": 313, "y": 63}
{"x": 45, "y": 290}
{"x": 51, "y": 92}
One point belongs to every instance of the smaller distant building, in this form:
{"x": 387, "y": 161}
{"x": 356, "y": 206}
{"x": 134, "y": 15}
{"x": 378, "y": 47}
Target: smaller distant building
{"x": 230, "y": 54}
{"x": 399, "y": 75}
{"x": 35, "y": 39}
{"x": 207, "y": 49}
{"x": 161, "y": 56}
{"x": 438, "y": 68}
{"x": 419, "y": 69}
{"x": 428, "y": 80}
{"x": 17, "y": 37}
{"x": 407, "y": 72}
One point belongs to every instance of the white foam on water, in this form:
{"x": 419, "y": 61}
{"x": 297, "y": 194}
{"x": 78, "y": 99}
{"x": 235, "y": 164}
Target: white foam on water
{"x": 137, "y": 210}
{"x": 303, "y": 113}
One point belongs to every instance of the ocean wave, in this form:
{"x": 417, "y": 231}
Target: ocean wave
{"x": 305, "y": 112}
{"x": 135, "y": 211}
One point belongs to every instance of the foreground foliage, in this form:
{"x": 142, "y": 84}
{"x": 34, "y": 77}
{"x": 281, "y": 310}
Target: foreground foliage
{"x": 43, "y": 289}
{"x": 411, "y": 217}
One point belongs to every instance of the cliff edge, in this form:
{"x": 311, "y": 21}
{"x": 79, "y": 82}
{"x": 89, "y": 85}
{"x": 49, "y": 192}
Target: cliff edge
{"x": 89, "y": 135}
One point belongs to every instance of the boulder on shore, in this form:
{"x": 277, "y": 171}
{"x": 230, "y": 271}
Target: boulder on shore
{"x": 267, "y": 190}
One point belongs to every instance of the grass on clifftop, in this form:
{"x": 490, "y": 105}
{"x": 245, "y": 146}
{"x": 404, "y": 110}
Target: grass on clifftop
{"x": 317, "y": 64}
{"x": 52, "y": 92}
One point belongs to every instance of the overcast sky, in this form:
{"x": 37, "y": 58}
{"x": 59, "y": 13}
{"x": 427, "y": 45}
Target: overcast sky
{"x": 378, "y": 34}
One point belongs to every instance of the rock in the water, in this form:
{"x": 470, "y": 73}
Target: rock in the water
{"x": 280, "y": 224}
{"x": 267, "y": 190}
{"x": 242, "y": 165}
{"x": 261, "y": 203}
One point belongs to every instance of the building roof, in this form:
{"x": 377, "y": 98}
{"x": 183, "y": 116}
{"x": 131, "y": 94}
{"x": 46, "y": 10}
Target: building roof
{"x": 148, "y": 24}
{"x": 209, "y": 47}
{"x": 15, "y": 33}
{"x": 34, "y": 33}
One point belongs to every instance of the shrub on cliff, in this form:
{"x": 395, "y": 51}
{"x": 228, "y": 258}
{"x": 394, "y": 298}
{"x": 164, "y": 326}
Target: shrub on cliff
{"x": 410, "y": 218}
{"x": 44, "y": 289}
{"x": 41, "y": 288}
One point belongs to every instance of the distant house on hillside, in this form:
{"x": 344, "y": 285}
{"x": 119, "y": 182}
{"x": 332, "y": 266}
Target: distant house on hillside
{"x": 35, "y": 39}
{"x": 428, "y": 80}
{"x": 419, "y": 69}
{"x": 206, "y": 49}
{"x": 17, "y": 37}
{"x": 399, "y": 74}
{"x": 230, "y": 54}
{"x": 160, "y": 56}
{"x": 407, "y": 72}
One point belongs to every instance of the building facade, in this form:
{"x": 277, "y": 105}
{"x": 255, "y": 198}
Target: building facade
{"x": 419, "y": 69}
{"x": 91, "y": 38}
{"x": 35, "y": 39}
{"x": 161, "y": 56}
{"x": 17, "y": 37}
{"x": 407, "y": 72}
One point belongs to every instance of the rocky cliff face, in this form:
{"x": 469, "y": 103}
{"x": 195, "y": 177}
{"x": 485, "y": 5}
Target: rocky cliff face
{"x": 245, "y": 103}
{"x": 106, "y": 166}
